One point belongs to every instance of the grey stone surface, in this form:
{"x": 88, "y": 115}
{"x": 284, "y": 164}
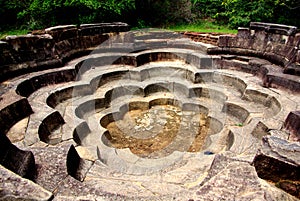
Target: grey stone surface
{"x": 14, "y": 187}
{"x": 273, "y": 28}
{"x": 51, "y": 165}
{"x": 278, "y": 160}
{"x": 239, "y": 181}
{"x": 77, "y": 162}
{"x": 48, "y": 48}
{"x": 79, "y": 198}
{"x": 281, "y": 150}
{"x": 273, "y": 42}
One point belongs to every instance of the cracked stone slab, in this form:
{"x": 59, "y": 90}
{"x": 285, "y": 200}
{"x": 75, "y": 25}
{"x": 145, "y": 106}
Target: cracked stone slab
{"x": 14, "y": 187}
{"x": 51, "y": 165}
{"x": 71, "y": 187}
{"x": 239, "y": 181}
{"x": 278, "y": 161}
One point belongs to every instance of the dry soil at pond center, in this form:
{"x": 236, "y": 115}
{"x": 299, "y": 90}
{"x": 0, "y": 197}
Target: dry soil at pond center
{"x": 159, "y": 131}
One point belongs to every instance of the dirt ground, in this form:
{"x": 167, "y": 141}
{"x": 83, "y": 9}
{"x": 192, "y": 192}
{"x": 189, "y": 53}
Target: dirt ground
{"x": 160, "y": 130}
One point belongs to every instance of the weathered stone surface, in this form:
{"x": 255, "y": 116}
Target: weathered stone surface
{"x": 273, "y": 28}
{"x": 79, "y": 198}
{"x": 48, "y": 125}
{"x": 13, "y": 108}
{"x": 117, "y": 78}
{"x": 273, "y": 42}
{"x": 76, "y": 166}
{"x": 73, "y": 188}
{"x": 19, "y": 161}
{"x": 51, "y": 166}
{"x": 283, "y": 81}
{"x": 60, "y": 33}
{"x": 278, "y": 160}
{"x": 243, "y": 33}
{"x": 229, "y": 179}
{"x": 32, "y": 84}
{"x": 14, "y": 187}
{"x": 292, "y": 124}
{"x": 52, "y": 48}
{"x": 17, "y": 132}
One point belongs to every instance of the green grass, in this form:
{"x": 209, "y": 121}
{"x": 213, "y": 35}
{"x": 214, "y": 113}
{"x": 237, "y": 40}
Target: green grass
{"x": 205, "y": 27}
{"x": 10, "y": 32}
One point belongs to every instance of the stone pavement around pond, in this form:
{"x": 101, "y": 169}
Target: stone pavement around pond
{"x": 226, "y": 123}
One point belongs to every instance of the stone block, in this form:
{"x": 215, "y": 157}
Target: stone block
{"x": 277, "y": 38}
{"x": 232, "y": 42}
{"x": 5, "y": 57}
{"x": 48, "y": 125}
{"x": 100, "y": 28}
{"x": 260, "y": 35}
{"x": 244, "y": 43}
{"x": 244, "y": 33}
{"x": 278, "y": 159}
{"x": 290, "y": 53}
{"x": 279, "y": 49}
{"x": 223, "y": 40}
{"x": 286, "y": 81}
{"x": 206, "y": 63}
{"x": 64, "y": 32}
{"x": 292, "y": 124}
{"x": 19, "y": 161}
{"x": 14, "y": 187}
{"x": 53, "y": 46}
{"x": 76, "y": 166}
{"x": 274, "y": 58}
{"x": 51, "y": 165}
{"x": 227, "y": 178}
{"x": 92, "y": 30}
{"x": 274, "y": 28}
{"x": 13, "y": 109}
{"x": 298, "y": 57}
{"x": 292, "y": 69}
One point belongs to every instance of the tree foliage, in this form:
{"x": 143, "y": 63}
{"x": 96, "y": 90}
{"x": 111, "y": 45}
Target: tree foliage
{"x": 34, "y": 14}
{"x": 241, "y": 12}
{"x": 40, "y": 13}
{"x": 207, "y": 9}
{"x": 162, "y": 12}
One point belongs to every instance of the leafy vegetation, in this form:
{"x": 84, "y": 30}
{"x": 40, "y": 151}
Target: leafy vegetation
{"x": 11, "y": 32}
{"x": 203, "y": 26}
{"x": 36, "y": 14}
{"x": 237, "y": 13}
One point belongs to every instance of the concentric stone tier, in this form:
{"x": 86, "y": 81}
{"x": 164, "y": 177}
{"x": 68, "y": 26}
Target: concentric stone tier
{"x": 152, "y": 117}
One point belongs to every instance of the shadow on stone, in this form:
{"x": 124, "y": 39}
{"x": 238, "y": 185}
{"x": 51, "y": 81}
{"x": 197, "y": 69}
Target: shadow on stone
{"x": 278, "y": 161}
{"x": 19, "y": 161}
{"x": 292, "y": 124}
{"x": 76, "y": 166}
